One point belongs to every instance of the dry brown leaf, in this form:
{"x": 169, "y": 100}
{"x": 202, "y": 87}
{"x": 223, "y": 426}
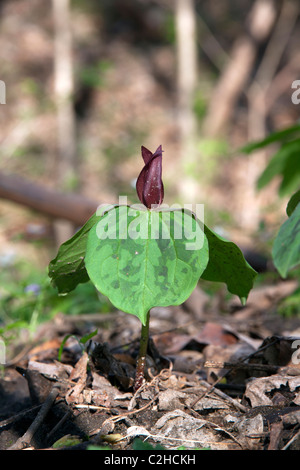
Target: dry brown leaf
{"x": 57, "y": 369}
{"x": 102, "y": 387}
{"x": 250, "y": 431}
{"x": 74, "y": 395}
{"x": 264, "y": 298}
{"x": 46, "y": 350}
{"x": 197, "y": 302}
{"x": 211, "y": 333}
{"x": 214, "y": 333}
{"x": 232, "y": 354}
{"x": 169, "y": 400}
{"x": 257, "y": 390}
{"x": 96, "y": 398}
{"x": 281, "y": 351}
{"x": 177, "y": 428}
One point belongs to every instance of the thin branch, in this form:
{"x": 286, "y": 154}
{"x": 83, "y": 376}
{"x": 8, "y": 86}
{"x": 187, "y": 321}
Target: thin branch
{"x": 18, "y": 416}
{"x": 25, "y": 440}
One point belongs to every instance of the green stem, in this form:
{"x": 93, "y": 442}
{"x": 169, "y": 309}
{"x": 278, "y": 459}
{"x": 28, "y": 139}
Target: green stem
{"x": 140, "y": 365}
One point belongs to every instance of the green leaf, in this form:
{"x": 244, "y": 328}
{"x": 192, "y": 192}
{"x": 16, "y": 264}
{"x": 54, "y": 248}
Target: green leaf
{"x": 81, "y": 341}
{"x": 293, "y": 202}
{"x": 142, "y": 259}
{"x": 84, "y": 339}
{"x": 67, "y": 441}
{"x": 227, "y": 264}
{"x": 92, "y": 447}
{"x": 67, "y": 270}
{"x": 280, "y": 136}
{"x": 62, "y": 345}
{"x": 286, "y": 248}
{"x": 291, "y": 171}
{"x": 285, "y": 163}
{"x": 138, "y": 444}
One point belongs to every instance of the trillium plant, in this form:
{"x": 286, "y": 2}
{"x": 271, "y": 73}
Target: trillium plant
{"x": 149, "y": 254}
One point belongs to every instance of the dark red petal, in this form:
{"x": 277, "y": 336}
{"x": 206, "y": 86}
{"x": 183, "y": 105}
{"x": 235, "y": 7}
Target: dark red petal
{"x": 149, "y": 184}
{"x": 140, "y": 185}
{"x": 158, "y": 151}
{"x": 146, "y": 154}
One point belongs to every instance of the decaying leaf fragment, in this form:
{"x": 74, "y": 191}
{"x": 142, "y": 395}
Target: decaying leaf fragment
{"x": 79, "y": 374}
{"x": 258, "y": 390}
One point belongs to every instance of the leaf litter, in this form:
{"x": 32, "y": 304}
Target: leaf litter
{"x": 213, "y": 381}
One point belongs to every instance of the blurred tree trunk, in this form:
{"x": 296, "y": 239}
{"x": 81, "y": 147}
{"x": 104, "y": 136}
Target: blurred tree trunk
{"x": 68, "y": 207}
{"x": 64, "y": 90}
{"x": 231, "y": 84}
{"x": 66, "y": 165}
{"x": 186, "y": 64}
{"x": 258, "y": 90}
{"x": 186, "y": 42}
{"x": 257, "y": 95}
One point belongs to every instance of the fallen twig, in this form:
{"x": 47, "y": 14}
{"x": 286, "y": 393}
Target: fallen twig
{"x": 287, "y": 445}
{"x": 25, "y": 440}
{"x": 211, "y": 388}
{"x": 18, "y": 416}
{"x": 59, "y": 424}
{"x": 226, "y": 397}
{"x": 241, "y": 365}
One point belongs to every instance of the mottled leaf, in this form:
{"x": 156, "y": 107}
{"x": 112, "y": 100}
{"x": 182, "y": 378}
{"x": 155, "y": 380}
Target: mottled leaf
{"x": 67, "y": 269}
{"x": 142, "y": 259}
{"x": 227, "y": 264}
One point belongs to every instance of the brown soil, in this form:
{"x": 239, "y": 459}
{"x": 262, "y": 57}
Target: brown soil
{"x": 229, "y": 381}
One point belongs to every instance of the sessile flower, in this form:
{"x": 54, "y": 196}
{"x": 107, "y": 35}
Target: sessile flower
{"x": 149, "y": 185}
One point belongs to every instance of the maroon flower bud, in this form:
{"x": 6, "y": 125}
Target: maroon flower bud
{"x": 149, "y": 186}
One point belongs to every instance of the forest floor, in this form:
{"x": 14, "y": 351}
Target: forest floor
{"x": 223, "y": 381}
